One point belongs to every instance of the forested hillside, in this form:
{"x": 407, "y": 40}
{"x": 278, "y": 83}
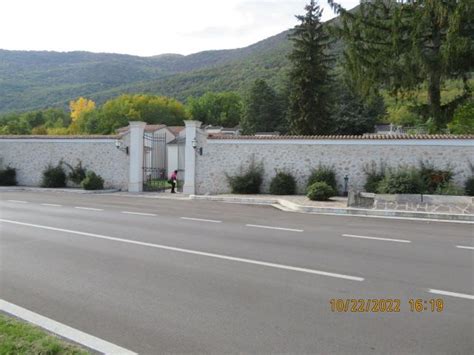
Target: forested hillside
{"x": 31, "y": 80}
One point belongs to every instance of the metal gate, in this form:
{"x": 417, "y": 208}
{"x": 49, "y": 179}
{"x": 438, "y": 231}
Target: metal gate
{"x": 181, "y": 158}
{"x": 155, "y": 177}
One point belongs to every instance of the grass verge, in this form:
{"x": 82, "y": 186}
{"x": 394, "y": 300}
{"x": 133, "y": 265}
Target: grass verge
{"x": 18, "y": 337}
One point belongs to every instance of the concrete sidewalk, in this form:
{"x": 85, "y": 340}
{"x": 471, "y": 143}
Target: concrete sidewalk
{"x": 336, "y": 206}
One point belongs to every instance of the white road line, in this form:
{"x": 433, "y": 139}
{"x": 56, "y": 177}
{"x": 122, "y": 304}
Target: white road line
{"x": 50, "y": 204}
{"x": 189, "y": 251}
{"x": 454, "y": 294}
{"x": 139, "y": 213}
{"x": 89, "y": 209}
{"x": 464, "y": 247}
{"x": 17, "y": 201}
{"x": 277, "y": 228}
{"x": 201, "y": 220}
{"x": 63, "y": 330}
{"x": 376, "y": 238}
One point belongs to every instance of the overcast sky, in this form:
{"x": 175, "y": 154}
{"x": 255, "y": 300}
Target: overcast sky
{"x": 145, "y": 27}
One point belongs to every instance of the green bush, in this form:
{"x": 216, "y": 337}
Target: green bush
{"x": 283, "y": 184}
{"x": 401, "y": 181}
{"x": 434, "y": 179}
{"x": 77, "y": 173}
{"x": 449, "y": 189}
{"x": 320, "y": 191}
{"x": 8, "y": 176}
{"x": 92, "y": 181}
{"x": 374, "y": 176}
{"x": 248, "y": 181}
{"x": 323, "y": 173}
{"x": 54, "y": 176}
{"x": 469, "y": 186}
{"x": 463, "y": 122}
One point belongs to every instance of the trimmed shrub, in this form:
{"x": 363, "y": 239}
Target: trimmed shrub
{"x": 469, "y": 186}
{"x": 434, "y": 179}
{"x": 248, "y": 181}
{"x": 323, "y": 173}
{"x": 283, "y": 184}
{"x": 8, "y": 176}
{"x": 77, "y": 173}
{"x": 320, "y": 191}
{"x": 374, "y": 176}
{"x": 54, "y": 176}
{"x": 449, "y": 189}
{"x": 92, "y": 181}
{"x": 402, "y": 181}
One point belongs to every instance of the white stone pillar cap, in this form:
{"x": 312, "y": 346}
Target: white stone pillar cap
{"x": 191, "y": 123}
{"x": 136, "y": 124}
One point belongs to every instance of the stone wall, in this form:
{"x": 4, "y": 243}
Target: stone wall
{"x": 31, "y": 155}
{"x": 347, "y": 156}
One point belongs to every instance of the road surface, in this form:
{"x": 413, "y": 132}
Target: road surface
{"x": 162, "y": 276}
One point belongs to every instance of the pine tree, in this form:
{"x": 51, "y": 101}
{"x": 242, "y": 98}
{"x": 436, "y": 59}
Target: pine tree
{"x": 263, "y": 109}
{"x": 310, "y": 79}
{"x": 403, "y": 45}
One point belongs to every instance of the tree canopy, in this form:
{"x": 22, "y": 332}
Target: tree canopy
{"x": 310, "y": 80}
{"x": 222, "y": 109}
{"x": 264, "y": 109}
{"x": 403, "y": 45}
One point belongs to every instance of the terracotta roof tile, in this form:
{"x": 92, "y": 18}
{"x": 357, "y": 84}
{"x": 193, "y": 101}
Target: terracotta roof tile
{"x": 59, "y": 137}
{"x": 175, "y": 129}
{"x": 342, "y": 137}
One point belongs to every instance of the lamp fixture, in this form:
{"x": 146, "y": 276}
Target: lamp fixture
{"x": 195, "y": 146}
{"x": 120, "y": 146}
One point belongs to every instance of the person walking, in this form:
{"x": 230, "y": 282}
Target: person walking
{"x": 173, "y": 180}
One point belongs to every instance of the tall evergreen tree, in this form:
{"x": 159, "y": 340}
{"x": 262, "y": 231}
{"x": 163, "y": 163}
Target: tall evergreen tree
{"x": 404, "y": 44}
{"x": 263, "y": 110}
{"x": 310, "y": 80}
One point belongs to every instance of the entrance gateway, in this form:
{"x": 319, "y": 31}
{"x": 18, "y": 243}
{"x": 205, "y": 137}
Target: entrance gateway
{"x": 155, "y": 176}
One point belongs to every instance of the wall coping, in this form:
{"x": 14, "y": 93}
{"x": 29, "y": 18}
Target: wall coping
{"x": 360, "y": 142}
{"x": 346, "y": 137}
{"x": 71, "y": 137}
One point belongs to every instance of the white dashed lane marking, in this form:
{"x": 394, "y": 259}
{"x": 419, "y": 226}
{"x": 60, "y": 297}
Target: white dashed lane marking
{"x": 201, "y": 220}
{"x": 376, "y": 238}
{"x": 453, "y": 294}
{"x": 139, "y": 213}
{"x": 89, "y": 209}
{"x": 464, "y": 247}
{"x": 275, "y": 228}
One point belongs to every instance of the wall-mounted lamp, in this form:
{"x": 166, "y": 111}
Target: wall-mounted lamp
{"x": 120, "y": 146}
{"x": 195, "y": 147}
{"x": 346, "y": 183}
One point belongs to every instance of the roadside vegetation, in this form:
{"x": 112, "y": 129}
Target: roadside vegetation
{"x": 422, "y": 179}
{"x": 55, "y": 176}
{"x": 18, "y": 337}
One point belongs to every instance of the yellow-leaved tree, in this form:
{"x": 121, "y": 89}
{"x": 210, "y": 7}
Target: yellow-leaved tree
{"x": 79, "y": 108}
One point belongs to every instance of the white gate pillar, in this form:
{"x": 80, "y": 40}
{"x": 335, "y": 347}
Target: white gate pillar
{"x": 135, "y": 177}
{"x": 190, "y": 157}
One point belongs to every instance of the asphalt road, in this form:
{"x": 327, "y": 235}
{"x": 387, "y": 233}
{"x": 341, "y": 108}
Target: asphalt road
{"x": 160, "y": 276}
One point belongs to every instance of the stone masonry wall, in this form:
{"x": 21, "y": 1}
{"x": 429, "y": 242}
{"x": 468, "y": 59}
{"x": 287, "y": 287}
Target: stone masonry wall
{"x": 30, "y": 156}
{"x": 299, "y": 157}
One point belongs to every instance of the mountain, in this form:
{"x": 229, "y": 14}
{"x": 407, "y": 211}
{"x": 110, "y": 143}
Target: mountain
{"x": 38, "y": 79}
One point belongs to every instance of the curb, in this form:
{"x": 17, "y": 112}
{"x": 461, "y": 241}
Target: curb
{"x": 47, "y": 189}
{"x": 361, "y": 212}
